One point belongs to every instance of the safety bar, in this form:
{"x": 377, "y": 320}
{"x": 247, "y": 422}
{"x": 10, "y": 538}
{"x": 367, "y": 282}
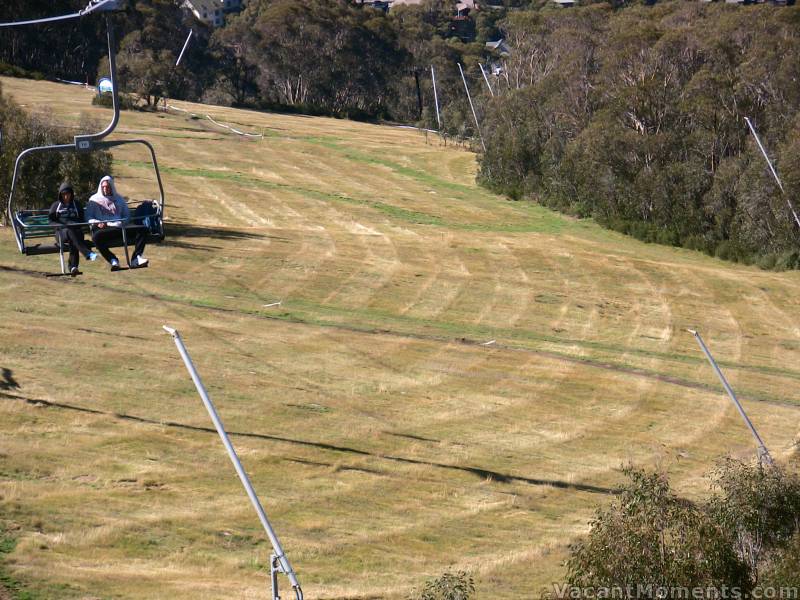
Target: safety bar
{"x": 82, "y": 223}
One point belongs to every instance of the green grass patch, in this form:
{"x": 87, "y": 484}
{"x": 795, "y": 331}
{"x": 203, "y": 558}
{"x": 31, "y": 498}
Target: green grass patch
{"x": 16, "y": 588}
{"x": 543, "y": 222}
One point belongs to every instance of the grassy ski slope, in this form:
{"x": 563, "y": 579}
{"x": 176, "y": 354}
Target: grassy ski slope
{"x": 451, "y": 380}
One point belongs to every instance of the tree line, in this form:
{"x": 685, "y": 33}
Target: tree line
{"x": 331, "y": 57}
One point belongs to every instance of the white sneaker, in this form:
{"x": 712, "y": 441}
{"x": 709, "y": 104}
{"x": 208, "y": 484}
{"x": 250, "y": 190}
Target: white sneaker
{"x": 91, "y": 256}
{"x": 114, "y": 264}
{"x": 139, "y": 261}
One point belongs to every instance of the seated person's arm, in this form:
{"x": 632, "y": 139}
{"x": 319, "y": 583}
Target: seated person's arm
{"x": 91, "y": 213}
{"x": 52, "y": 215}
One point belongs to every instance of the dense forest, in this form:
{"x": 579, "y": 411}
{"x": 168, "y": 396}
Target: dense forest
{"x": 636, "y": 117}
{"x": 631, "y": 113}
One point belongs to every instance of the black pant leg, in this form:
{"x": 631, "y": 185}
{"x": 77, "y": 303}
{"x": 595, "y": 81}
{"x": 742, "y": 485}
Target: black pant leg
{"x": 102, "y": 238}
{"x": 76, "y": 240}
{"x": 74, "y": 257}
{"x": 141, "y": 241}
{"x": 65, "y": 237}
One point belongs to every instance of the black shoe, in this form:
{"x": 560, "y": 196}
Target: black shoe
{"x": 73, "y": 271}
{"x": 114, "y": 264}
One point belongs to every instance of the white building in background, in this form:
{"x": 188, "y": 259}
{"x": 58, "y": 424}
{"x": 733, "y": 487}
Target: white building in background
{"x": 212, "y": 12}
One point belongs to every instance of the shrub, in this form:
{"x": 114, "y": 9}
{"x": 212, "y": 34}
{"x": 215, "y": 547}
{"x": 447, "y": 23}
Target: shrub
{"x": 746, "y": 536}
{"x": 106, "y": 101}
{"x": 448, "y": 586}
{"x": 767, "y": 261}
{"x": 759, "y": 507}
{"x": 788, "y": 260}
{"x": 651, "y": 537}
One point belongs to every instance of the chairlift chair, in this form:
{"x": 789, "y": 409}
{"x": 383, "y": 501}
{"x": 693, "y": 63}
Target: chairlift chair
{"x": 29, "y": 218}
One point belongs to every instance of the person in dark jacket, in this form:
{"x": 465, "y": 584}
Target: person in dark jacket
{"x": 67, "y": 211}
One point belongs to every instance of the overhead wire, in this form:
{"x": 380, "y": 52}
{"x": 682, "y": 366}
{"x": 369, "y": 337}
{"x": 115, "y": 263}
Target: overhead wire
{"x": 91, "y": 7}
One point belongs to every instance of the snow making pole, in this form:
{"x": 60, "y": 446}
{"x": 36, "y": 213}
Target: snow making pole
{"x": 486, "y": 79}
{"x": 772, "y": 170}
{"x": 185, "y": 45}
{"x": 763, "y": 453}
{"x": 474, "y": 116}
{"x": 278, "y": 561}
{"x": 436, "y": 99}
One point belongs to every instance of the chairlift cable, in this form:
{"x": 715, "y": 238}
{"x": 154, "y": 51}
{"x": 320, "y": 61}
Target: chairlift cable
{"x": 37, "y": 21}
{"x": 93, "y": 6}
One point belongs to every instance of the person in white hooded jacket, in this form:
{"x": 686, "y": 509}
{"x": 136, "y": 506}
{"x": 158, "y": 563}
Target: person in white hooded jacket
{"x": 107, "y": 211}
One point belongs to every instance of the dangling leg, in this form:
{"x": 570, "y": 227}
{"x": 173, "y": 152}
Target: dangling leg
{"x": 76, "y": 240}
{"x": 62, "y": 238}
{"x": 138, "y": 250}
{"x": 102, "y": 238}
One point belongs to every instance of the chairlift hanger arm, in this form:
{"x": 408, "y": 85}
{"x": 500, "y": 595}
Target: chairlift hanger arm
{"x": 93, "y": 6}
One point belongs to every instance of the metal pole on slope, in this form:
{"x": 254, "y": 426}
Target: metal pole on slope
{"x": 185, "y": 45}
{"x": 772, "y": 170}
{"x": 436, "y": 99}
{"x": 278, "y": 561}
{"x": 486, "y": 79}
{"x": 763, "y": 453}
{"x": 474, "y": 116}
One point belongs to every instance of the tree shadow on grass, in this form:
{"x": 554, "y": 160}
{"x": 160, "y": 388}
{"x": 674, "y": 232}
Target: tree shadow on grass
{"x": 180, "y": 231}
{"x": 476, "y": 471}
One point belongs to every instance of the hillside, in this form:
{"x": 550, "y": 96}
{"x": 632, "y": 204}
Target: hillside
{"x": 451, "y": 379}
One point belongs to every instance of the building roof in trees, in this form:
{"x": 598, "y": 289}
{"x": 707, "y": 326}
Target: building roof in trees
{"x": 212, "y": 12}
{"x": 499, "y": 46}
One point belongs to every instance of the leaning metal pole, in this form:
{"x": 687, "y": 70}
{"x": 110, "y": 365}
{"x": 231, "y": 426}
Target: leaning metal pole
{"x": 185, "y": 45}
{"x": 763, "y": 453}
{"x": 436, "y": 99}
{"x": 278, "y": 561}
{"x": 469, "y": 97}
{"x": 486, "y": 79}
{"x": 772, "y": 170}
